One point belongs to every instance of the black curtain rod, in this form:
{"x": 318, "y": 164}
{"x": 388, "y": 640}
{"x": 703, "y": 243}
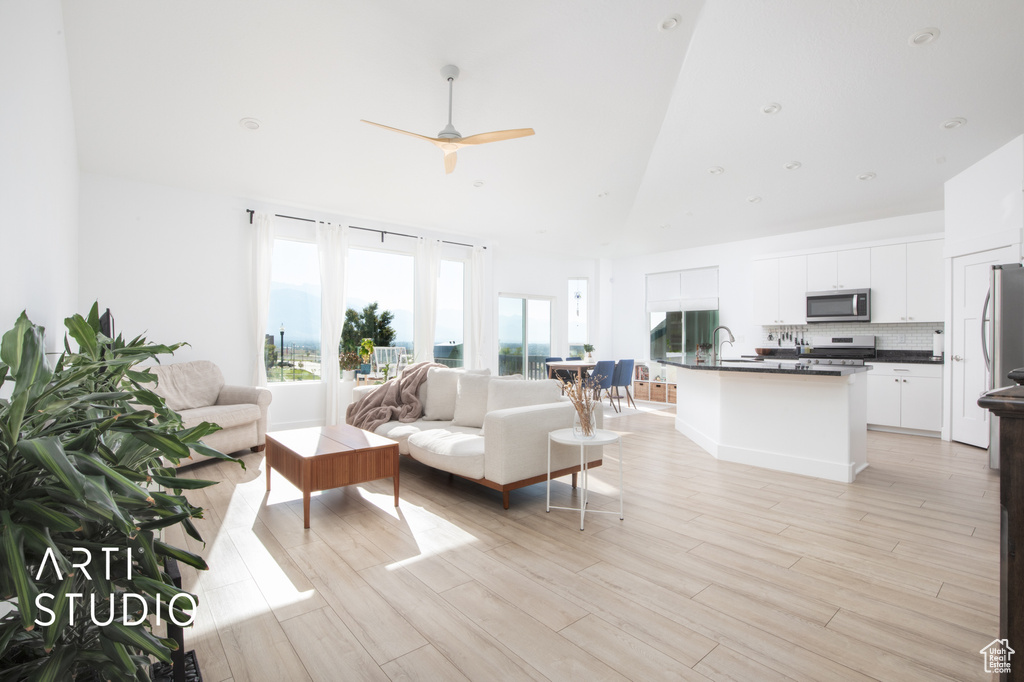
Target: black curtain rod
{"x": 252, "y": 212}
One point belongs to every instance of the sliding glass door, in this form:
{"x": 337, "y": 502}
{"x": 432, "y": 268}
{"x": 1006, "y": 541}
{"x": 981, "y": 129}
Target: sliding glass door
{"x": 524, "y": 335}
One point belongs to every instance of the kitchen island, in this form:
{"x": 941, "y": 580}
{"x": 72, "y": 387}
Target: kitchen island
{"x": 777, "y": 415}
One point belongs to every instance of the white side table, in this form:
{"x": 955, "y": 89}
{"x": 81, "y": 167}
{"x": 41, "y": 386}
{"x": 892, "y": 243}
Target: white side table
{"x": 602, "y": 437}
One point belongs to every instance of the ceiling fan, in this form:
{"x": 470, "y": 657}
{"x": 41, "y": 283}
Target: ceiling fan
{"x": 450, "y": 140}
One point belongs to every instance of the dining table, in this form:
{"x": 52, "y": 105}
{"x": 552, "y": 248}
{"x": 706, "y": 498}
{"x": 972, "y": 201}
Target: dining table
{"x": 580, "y": 367}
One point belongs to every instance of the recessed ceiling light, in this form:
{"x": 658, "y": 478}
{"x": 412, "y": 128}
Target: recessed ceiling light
{"x": 541, "y": 231}
{"x": 754, "y": 199}
{"x": 478, "y": 183}
{"x": 669, "y": 22}
{"x": 924, "y": 36}
{"x": 716, "y": 170}
{"x": 867, "y": 176}
{"x": 664, "y": 227}
{"x": 941, "y": 159}
{"x": 250, "y": 123}
{"x": 792, "y": 165}
{"x": 771, "y": 108}
{"x": 602, "y": 195}
{"x": 605, "y": 243}
{"x": 953, "y": 123}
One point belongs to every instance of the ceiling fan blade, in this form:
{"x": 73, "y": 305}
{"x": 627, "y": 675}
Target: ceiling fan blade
{"x": 449, "y": 162}
{"x": 497, "y": 136}
{"x": 404, "y": 132}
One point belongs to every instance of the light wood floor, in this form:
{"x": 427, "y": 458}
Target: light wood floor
{"x": 719, "y": 571}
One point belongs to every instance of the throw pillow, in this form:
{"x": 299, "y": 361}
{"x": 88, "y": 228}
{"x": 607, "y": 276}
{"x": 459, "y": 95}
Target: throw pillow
{"x": 502, "y": 395}
{"x": 471, "y": 400}
{"x": 441, "y": 388}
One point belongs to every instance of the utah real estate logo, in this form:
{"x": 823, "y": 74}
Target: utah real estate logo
{"x": 997, "y": 656}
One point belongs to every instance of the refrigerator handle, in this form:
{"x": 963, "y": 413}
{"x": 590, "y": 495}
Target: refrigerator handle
{"x": 984, "y": 336}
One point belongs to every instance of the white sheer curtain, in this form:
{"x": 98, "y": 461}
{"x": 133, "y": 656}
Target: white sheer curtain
{"x": 263, "y": 249}
{"x": 332, "y": 247}
{"x": 428, "y": 268}
{"x": 480, "y": 305}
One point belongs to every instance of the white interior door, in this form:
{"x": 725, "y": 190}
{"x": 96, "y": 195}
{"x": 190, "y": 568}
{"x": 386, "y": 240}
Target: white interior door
{"x": 969, "y": 423}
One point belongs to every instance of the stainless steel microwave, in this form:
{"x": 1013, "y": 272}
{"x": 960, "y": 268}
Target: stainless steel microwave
{"x": 853, "y": 305}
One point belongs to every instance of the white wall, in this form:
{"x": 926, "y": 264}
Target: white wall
{"x": 985, "y": 203}
{"x": 38, "y": 169}
{"x": 171, "y": 264}
{"x": 543, "y": 274}
{"x": 628, "y": 326}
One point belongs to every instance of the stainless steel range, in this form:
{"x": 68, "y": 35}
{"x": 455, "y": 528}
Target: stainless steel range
{"x": 839, "y": 350}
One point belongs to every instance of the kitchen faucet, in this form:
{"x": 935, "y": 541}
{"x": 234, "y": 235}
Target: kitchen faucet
{"x": 714, "y": 345}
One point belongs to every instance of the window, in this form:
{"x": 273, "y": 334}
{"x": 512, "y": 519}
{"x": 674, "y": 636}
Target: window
{"x": 292, "y": 347}
{"x": 676, "y": 333}
{"x": 385, "y": 278}
{"x": 449, "y": 328}
{"x": 524, "y": 336}
{"x": 579, "y": 330}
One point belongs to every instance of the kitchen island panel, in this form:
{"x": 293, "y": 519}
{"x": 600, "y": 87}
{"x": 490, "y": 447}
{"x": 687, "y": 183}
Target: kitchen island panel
{"x": 815, "y": 425}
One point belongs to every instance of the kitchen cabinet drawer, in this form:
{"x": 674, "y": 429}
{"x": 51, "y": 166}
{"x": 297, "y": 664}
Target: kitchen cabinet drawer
{"x": 642, "y": 390}
{"x": 671, "y": 394}
{"x": 659, "y": 391}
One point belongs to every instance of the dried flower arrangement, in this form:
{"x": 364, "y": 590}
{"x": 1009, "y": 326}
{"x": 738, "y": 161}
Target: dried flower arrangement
{"x": 583, "y": 393}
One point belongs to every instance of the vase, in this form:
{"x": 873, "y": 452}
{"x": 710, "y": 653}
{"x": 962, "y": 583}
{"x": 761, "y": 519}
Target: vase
{"x": 584, "y": 430}
{"x": 348, "y": 375}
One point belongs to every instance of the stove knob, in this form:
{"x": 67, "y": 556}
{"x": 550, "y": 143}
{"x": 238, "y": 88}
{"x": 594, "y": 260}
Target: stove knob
{"x": 816, "y": 361}
{"x": 844, "y": 362}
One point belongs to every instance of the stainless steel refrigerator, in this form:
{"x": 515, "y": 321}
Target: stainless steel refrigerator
{"x": 1002, "y": 336}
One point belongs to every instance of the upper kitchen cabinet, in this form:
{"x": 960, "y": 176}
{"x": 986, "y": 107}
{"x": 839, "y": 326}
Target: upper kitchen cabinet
{"x": 780, "y": 290}
{"x": 906, "y": 282}
{"x": 834, "y": 270}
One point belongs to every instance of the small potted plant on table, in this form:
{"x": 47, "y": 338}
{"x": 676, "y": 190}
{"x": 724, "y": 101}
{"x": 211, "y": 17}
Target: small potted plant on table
{"x": 589, "y": 350}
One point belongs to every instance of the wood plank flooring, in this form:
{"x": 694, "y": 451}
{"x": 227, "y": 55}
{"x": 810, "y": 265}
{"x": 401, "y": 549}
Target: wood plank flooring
{"x": 719, "y": 571}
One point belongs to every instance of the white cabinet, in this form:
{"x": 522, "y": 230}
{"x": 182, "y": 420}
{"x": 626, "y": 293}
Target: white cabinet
{"x": 780, "y": 290}
{"x": 848, "y": 269}
{"x": 906, "y": 282}
{"x": 925, "y": 281}
{"x": 906, "y": 396}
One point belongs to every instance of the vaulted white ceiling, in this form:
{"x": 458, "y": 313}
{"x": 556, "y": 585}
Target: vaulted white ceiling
{"x": 629, "y": 117}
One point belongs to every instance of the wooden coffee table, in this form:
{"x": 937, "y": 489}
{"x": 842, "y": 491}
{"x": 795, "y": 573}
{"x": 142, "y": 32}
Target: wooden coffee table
{"x": 325, "y": 457}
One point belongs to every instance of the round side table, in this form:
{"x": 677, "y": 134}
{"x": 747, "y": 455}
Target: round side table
{"x": 601, "y": 437}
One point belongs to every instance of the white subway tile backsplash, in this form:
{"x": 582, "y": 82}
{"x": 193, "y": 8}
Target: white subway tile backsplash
{"x": 909, "y": 336}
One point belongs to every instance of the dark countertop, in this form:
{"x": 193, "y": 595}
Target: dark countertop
{"x": 769, "y": 367}
{"x": 914, "y": 357}
{"x": 917, "y": 357}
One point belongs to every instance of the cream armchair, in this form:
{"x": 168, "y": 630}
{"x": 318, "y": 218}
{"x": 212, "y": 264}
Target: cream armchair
{"x": 197, "y": 392}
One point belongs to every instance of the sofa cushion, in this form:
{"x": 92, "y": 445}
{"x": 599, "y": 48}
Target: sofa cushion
{"x": 502, "y": 395}
{"x": 471, "y": 400}
{"x": 185, "y": 385}
{"x": 400, "y": 431}
{"x": 458, "y": 453}
{"x": 224, "y": 416}
{"x": 439, "y": 390}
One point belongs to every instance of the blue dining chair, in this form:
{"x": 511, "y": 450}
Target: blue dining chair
{"x": 602, "y": 376}
{"x": 550, "y": 374}
{"x": 623, "y": 377}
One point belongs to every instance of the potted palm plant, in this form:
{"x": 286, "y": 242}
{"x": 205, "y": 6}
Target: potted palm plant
{"x": 87, "y": 485}
{"x": 366, "y": 351}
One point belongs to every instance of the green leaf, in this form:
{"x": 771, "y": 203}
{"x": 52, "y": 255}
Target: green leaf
{"x": 121, "y": 482}
{"x": 82, "y": 332}
{"x": 49, "y": 454}
{"x": 118, "y": 655}
{"x": 14, "y": 557}
{"x": 39, "y": 539}
{"x": 181, "y": 555}
{"x": 168, "y": 445}
{"x": 138, "y": 638}
{"x": 46, "y": 516}
{"x": 182, "y": 483}
{"x": 59, "y": 607}
{"x": 57, "y": 667}
{"x": 13, "y": 343}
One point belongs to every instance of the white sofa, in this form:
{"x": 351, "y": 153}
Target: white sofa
{"x": 490, "y": 430}
{"x": 196, "y": 391}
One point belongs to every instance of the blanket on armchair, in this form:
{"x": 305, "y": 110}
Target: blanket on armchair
{"x": 396, "y": 400}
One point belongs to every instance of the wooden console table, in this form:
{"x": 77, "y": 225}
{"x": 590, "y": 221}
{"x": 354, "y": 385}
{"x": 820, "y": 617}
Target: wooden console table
{"x": 1008, "y": 405}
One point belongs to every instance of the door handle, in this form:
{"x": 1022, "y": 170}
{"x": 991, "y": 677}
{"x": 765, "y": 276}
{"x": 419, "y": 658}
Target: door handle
{"x": 957, "y": 358}
{"x": 855, "y": 304}
{"x": 984, "y": 338}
